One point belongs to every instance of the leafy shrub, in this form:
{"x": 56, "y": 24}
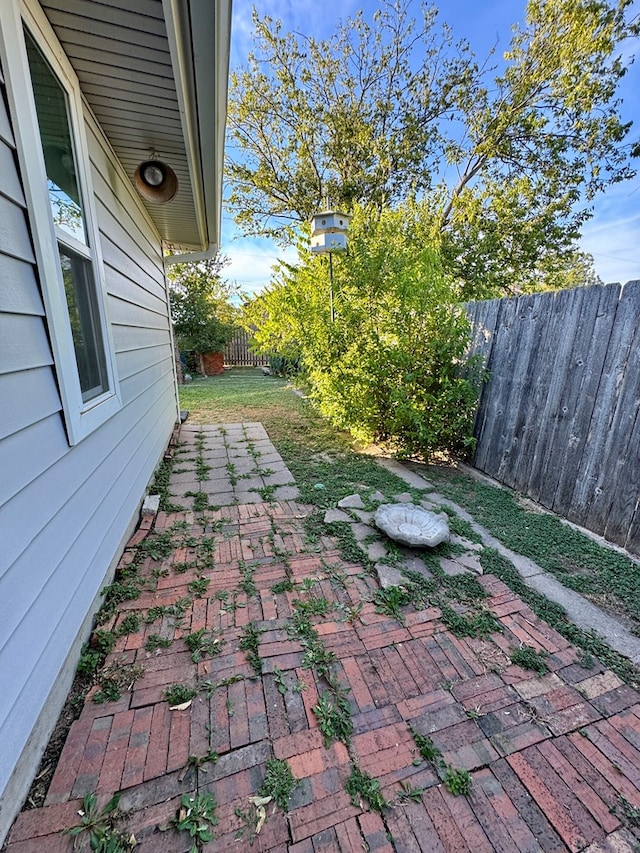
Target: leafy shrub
{"x": 391, "y": 365}
{"x": 280, "y": 365}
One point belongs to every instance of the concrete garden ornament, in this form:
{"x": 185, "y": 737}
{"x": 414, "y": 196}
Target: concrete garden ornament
{"x": 412, "y": 525}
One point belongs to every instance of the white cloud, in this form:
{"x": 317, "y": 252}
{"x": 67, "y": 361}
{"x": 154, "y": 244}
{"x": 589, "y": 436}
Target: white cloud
{"x": 612, "y": 236}
{"x": 252, "y": 261}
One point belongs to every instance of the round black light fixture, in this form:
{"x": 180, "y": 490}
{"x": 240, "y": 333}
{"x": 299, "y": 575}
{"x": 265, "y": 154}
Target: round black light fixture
{"x": 156, "y": 182}
{"x": 153, "y": 173}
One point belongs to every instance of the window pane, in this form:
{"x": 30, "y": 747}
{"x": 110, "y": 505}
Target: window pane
{"x": 57, "y": 144}
{"x": 85, "y": 323}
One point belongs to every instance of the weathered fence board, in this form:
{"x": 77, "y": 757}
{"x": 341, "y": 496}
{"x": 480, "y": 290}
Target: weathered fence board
{"x": 614, "y": 476}
{"x": 559, "y": 418}
{"x": 238, "y": 353}
{"x": 591, "y": 347}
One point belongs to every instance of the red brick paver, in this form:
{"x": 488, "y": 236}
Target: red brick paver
{"x": 554, "y": 760}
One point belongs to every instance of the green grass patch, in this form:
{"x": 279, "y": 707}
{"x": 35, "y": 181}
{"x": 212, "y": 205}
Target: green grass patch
{"x": 178, "y": 694}
{"x": 608, "y": 578}
{"x": 555, "y": 615}
{"x": 334, "y": 717}
{"x": 279, "y": 782}
{"x": 364, "y": 790}
{"x": 528, "y": 658}
{"x": 249, "y": 642}
{"x": 202, "y": 644}
{"x": 478, "y": 623}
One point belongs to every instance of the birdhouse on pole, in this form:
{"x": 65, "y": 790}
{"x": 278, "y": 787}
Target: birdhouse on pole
{"x": 329, "y": 231}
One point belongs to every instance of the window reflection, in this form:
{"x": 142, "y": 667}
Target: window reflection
{"x": 57, "y": 145}
{"x": 65, "y": 198}
{"x": 85, "y": 323}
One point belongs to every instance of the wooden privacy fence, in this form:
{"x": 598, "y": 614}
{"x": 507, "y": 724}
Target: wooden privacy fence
{"x": 559, "y": 419}
{"x": 238, "y": 354}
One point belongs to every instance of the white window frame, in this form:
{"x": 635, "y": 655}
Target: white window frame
{"x": 81, "y": 418}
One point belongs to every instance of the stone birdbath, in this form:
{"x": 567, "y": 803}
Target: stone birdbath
{"x": 412, "y": 525}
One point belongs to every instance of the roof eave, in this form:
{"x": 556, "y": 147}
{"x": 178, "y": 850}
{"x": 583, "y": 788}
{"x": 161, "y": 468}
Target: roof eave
{"x": 196, "y": 30}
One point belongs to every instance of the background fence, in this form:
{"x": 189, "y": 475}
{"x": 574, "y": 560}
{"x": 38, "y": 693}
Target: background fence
{"x": 238, "y": 354}
{"x": 559, "y": 418}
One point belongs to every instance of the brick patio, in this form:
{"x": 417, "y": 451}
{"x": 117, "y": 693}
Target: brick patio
{"x": 554, "y": 758}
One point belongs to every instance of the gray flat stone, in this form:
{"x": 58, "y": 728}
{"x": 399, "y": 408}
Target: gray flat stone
{"x": 276, "y": 467}
{"x": 352, "y": 501}
{"x": 403, "y": 498}
{"x": 264, "y": 445}
{"x": 245, "y": 497}
{"x": 362, "y": 531}
{"x": 377, "y": 497}
{"x": 218, "y": 464}
{"x": 410, "y": 477}
{"x": 250, "y": 484}
{"x": 214, "y": 453}
{"x": 363, "y": 515}
{"x": 389, "y": 576}
{"x": 430, "y": 506}
{"x": 470, "y": 561}
{"x": 452, "y": 568}
{"x": 466, "y": 543}
{"x": 280, "y": 478}
{"x": 151, "y": 505}
{"x": 221, "y": 498}
{"x": 268, "y": 460}
{"x": 415, "y": 564}
{"x": 255, "y": 431}
{"x": 287, "y": 493}
{"x": 181, "y": 489}
{"x": 332, "y": 515}
{"x": 245, "y": 466}
{"x": 216, "y": 484}
{"x": 375, "y": 551}
{"x": 184, "y": 477}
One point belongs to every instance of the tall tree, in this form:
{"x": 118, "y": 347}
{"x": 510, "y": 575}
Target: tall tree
{"x": 507, "y": 158}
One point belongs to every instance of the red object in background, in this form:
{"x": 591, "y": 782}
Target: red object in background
{"x": 213, "y": 363}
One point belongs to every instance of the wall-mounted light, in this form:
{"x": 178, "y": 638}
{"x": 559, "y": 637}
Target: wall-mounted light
{"x": 156, "y": 182}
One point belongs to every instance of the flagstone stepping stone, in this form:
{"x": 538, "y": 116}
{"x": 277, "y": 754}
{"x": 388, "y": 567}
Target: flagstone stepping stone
{"x": 332, "y": 515}
{"x": 354, "y": 501}
{"x": 389, "y": 576}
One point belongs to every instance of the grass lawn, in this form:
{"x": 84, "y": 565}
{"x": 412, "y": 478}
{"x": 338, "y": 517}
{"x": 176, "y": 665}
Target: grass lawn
{"x": 327, "y": 467}
{"x": 315, "y": 452}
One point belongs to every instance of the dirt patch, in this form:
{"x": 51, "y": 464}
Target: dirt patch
{"x": 69, "y": 714}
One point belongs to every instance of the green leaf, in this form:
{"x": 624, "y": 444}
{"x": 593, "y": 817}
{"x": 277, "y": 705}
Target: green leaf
{"x": 112, "y": 805}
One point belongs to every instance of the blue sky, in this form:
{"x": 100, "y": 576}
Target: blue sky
{"x": 612, "y": 236}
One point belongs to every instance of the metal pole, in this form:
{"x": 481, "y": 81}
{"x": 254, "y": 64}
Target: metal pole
{"x": 333, "y": 314}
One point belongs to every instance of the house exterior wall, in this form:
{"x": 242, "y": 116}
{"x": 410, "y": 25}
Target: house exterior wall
{"x": 66, "y": 511}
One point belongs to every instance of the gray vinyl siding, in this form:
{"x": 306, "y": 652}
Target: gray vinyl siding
{"x": 65, "y": 511}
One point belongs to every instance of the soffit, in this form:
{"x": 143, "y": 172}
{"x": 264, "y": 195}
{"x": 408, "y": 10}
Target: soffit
{"x": 123, "y": 62}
